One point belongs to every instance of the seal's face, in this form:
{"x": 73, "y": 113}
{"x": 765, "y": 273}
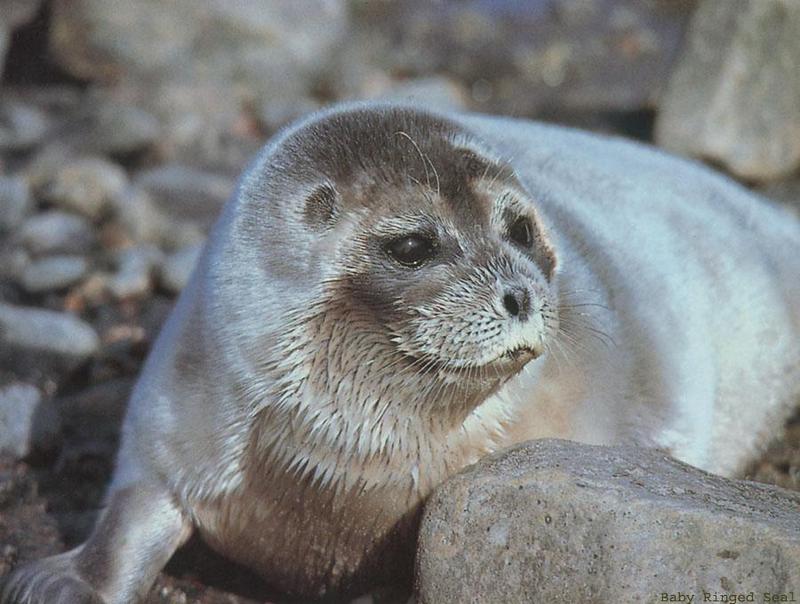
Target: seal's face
{"x": 436, "y": 245}
{"x": 455, "y": 278}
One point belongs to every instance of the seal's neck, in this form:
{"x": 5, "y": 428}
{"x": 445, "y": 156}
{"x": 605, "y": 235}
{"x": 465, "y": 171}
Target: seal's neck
{"x": 359, "y": 417}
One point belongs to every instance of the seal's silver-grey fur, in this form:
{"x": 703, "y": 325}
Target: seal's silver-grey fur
{"x": 393, "y": 293}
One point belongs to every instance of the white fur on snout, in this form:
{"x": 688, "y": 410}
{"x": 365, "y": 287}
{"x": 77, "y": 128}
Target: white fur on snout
{"x": 534, "y": 330}
{"x": 468, "y": 326}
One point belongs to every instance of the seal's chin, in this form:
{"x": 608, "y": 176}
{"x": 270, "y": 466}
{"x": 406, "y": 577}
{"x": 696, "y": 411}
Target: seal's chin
{"x": 512, "y": 361}
{"x": 521, "y": 354}
{"x": 503, "y": 366}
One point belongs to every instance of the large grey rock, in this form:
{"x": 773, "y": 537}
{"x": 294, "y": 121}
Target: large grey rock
{"x": 53, "y": 273}
{"x": 46, "y": 331}
{"x": 522, "y": 57}
{"x": 198, "y": 64}
{"x": 86, "y": 186}
{"x": 15, "y": 202}
{"x": 27, "y": 422}
{"x": 554, "y": 521}
{"x": 154, "y": 39}
{"x": 55, "y": 231}
{"x": 734, "y": 96}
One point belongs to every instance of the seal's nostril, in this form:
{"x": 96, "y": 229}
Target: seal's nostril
{"x": 511, "y": 304}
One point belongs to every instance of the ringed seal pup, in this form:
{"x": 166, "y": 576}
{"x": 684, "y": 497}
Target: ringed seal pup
{"x": 391, "y": 294}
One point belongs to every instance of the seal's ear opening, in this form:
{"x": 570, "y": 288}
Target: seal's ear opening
{"x": 322, "y": 207}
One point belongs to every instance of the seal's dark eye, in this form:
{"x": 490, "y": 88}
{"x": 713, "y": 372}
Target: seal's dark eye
{"x": 411, "y": 250}
{"x": 521, "y": 232}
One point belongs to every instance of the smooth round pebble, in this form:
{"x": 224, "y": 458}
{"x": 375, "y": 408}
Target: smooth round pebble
{"x": 58, "y": 333}
{"x": 124, "y": 129}
{"x": 27, "y": 422}
{"x": 15, "y": 202}
{"x": 21, "y": 126}
{"x": 53, "y": 273}
{"x": 56, "y": 231}
{"x": 136, "y": 267}
{"x": 86, "y": 186}
{"x": 13, "y": 262}
{"x": 139, "y": 217}
{"x": 186, "y": 193}
{"x": 181, "y": 234}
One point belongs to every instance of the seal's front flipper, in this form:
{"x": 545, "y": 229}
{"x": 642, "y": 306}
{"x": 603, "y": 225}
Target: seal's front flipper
{"x": 134, "y": 538}
{"x": 50, "y": 580}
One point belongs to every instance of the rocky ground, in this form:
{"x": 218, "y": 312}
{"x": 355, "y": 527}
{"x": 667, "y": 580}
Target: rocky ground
{"x": 112, "y": 171}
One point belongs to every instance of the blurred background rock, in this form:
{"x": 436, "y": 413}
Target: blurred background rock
{"x": 123, "y": 126}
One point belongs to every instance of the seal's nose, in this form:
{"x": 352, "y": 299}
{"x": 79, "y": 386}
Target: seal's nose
{"x": 517, "y": 302}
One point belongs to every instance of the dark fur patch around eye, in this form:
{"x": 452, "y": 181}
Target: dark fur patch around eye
{"x": 536, "y": 241}
{"x": 545, "y": 257}
{"x": 321, "y": 207}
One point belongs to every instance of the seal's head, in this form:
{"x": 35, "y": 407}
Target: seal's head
{"x": 402, "y": 230}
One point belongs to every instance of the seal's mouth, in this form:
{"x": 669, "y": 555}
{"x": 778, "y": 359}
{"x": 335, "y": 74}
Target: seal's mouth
{"x": 521, "y": 353}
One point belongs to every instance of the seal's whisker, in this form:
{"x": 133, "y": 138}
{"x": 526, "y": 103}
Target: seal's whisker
{"x": 422, "y": 156}
{"x": 436, "y": 174}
